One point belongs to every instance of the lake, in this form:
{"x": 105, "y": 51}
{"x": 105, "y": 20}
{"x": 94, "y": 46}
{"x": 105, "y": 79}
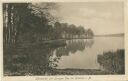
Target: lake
{"x": 46, "y": 57}
{"x": 82, "y": 53}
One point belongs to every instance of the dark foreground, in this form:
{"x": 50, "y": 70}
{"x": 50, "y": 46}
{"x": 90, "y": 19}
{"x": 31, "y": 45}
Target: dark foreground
{"x": 72, "y": 72}
{"x": 80, "y": 72}
{"x": 26, "y": 61}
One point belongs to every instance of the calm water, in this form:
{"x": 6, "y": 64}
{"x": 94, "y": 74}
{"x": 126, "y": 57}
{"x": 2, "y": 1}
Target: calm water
{"x": 42, "y": 58}
{"x": 82, "y": 53}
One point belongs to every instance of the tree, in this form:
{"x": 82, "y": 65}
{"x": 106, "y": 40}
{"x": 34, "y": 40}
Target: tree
{"x": 90, "y": 33}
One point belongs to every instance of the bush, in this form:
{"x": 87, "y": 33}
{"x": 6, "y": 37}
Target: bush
{"x": 113, "y": 61}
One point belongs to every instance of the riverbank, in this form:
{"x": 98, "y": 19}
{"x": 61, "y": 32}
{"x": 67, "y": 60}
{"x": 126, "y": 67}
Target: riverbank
{"x": 66, "y": 72}
{"x": 79, "y": 72}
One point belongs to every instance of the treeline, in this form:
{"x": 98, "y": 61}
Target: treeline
{"x": 23, "y": 21}
{"x": 26, "y": 24}
{"x": 32, "y": 23}
{"x": 71, "y": 31}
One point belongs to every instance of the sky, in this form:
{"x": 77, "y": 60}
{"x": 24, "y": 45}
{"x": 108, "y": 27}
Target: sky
{"x": 101, "y": 17}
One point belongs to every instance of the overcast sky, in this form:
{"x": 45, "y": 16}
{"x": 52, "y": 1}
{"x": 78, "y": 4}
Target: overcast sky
{"x": 101, "y": 17}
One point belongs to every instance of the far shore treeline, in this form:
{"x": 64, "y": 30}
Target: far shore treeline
{"x": 32, "y": 23}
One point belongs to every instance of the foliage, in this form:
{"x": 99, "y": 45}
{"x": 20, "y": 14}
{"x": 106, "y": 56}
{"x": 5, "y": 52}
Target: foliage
{"x": 29, "y": 26}
{"x": 26, "y": 21}
{"x": 113, "y": 61}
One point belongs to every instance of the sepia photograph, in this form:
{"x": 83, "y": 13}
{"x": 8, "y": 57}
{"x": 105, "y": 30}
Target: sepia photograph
{"x": 63, "y": 38}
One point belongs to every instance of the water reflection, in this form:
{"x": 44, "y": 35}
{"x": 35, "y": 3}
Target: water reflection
{"x": 73, "y": 46}
{"x": 47, "y": 57}
{"x": 40, "y": 58}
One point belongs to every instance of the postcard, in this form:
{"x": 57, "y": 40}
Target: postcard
{"x": 64, "y": 40}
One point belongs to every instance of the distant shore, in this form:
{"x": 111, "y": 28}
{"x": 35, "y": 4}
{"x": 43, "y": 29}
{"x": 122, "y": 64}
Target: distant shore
{"x": 110, "y": 35}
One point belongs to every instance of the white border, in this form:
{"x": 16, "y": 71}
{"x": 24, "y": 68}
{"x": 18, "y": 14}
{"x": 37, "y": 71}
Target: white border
{"x": 86, "y": 77}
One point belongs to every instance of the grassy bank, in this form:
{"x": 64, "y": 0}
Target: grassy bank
{"x": 79, "y": 72}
